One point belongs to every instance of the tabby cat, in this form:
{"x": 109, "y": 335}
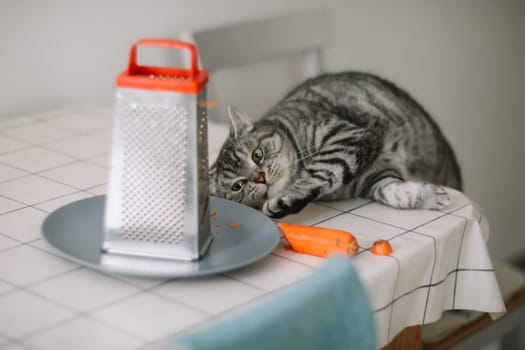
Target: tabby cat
{"x": 336, "y": 136}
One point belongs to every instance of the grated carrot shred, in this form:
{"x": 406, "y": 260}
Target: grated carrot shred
{"x": 208, "y": 104}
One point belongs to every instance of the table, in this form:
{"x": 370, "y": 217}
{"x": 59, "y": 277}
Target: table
{"x": 47, "y": 160}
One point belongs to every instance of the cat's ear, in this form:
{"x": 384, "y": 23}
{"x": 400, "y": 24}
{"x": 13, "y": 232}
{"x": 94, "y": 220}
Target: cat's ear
{"x": 239, "y": 122}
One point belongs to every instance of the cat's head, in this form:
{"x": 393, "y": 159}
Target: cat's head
{"x": 253, "y": 164}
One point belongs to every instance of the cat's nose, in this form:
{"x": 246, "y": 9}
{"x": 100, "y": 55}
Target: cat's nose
{"x": 261, "y": 179}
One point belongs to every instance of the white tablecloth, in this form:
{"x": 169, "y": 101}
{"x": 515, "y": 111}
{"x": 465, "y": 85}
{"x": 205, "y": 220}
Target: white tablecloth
{"x": 440, "y": 258}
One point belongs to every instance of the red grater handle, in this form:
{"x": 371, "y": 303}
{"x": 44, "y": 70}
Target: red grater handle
{"x": 166, "y": 43}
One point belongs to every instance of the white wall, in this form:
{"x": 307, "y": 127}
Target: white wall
{"x": 461, "y": 59}
{"x": 60, "y": 52}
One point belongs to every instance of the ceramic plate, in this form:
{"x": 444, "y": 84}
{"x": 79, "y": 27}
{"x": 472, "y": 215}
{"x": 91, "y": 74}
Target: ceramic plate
{"x": 76, "y": 232}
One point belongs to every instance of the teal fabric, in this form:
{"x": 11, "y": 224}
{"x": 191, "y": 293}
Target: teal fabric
{"x": 327, "y": 310}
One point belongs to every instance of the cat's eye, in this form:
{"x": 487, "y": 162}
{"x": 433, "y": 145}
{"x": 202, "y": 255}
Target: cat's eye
{"x": 238, "y": 185}
{"x": 257, "y": 155}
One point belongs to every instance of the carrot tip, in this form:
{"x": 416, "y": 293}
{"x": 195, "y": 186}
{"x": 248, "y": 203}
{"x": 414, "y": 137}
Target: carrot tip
{"x": 353, "y": 247}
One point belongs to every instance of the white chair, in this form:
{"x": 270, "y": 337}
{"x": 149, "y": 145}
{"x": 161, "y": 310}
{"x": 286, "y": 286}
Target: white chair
{"x": 241, "y": 59}
{"x": 239, "y": 44}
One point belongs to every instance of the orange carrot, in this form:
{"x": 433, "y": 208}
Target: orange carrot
{"x": 318, "y": 241}
{"x": 213, "y": 213}
{"x": 381, "y": 247}
{"x": 218, "y": 225}
{"x": 235, "y": 225}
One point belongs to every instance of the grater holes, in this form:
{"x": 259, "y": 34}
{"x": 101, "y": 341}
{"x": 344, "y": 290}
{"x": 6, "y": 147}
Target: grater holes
{"x": 154, "y": 158}
{"x": 203, "y": 140}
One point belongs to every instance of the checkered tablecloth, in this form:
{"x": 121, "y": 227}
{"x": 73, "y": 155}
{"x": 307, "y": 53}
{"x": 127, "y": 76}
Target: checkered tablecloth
{"x": 47, "y": 160}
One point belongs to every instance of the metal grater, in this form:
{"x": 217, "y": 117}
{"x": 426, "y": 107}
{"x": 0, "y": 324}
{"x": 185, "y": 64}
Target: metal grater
{"x": 157, "y": 202}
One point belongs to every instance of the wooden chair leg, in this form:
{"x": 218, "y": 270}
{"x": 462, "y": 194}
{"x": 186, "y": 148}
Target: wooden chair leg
{"x": 408, "y": 339}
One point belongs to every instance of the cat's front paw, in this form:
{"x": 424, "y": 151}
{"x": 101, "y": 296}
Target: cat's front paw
{"x": 412, "y": 195}
{"x": 276, "y": 207}
{"x": 434, "y": 197}
{"x": 279, "y": 207}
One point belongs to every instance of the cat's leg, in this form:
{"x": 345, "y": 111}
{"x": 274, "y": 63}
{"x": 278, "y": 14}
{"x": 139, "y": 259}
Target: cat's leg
{"x": 397, "y": 193}
{"x": 341, "y": 150}
{"x": 292, "y": 200}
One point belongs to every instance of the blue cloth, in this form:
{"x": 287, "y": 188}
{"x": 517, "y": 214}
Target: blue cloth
{"x": 327, "y": 310}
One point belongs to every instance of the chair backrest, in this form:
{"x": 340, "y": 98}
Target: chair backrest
{"x": 299, "y": 36}
{"x": 239, "y": 44}
{"x": 327, "y": 310}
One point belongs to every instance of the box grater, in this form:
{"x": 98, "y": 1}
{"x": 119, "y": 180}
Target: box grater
{"x": 157, "y": 201}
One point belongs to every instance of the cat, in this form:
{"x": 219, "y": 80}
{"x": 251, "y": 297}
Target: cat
{"x": 336, "y": 136}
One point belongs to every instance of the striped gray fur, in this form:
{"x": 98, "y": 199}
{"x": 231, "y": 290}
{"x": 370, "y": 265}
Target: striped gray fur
{"x": 333, "y": 137}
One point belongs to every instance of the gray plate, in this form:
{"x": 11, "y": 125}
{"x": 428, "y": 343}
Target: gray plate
{"x": 76, "y": 231}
